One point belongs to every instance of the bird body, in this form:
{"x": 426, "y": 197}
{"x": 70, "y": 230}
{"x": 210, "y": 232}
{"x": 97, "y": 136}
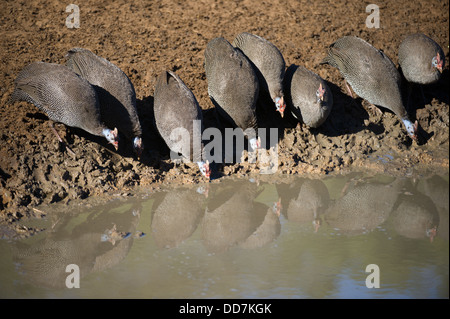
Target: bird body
{"x": 63, "y": 96}
{"x": 269, "y": 64}
{"x": 310, "y": 201}
{"x": 421, "y": 59}
{"x": 232, "y": 86}
{"x": 176, "y": 216}
{"x": 176, "y": 107}
{"x": 115, "y": 91}
{"x": 363, "y": 206}
{"x": 371, "y": 74}
{"x": 229, "y": 218}
{"x": 308, "y": 96}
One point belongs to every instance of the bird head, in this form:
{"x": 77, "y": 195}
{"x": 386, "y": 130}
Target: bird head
{"x": 438, "y": 62}
{"x": 316, "y": 224}
{"x": 411, "y": 128}
{"x": 203, "y": 190}
{"x": 112, "y": 136}
{"x": 204, "y": 168}
{"x": 137, "y": 145}
{"x": 280, "y": 105}
{"x": 431, "y": 233}
{"x": 276, "y": 208}
{"x": 320, "y": 93}
{"x": 255, "y": 143}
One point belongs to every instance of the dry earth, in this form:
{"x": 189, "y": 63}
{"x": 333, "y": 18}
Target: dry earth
{"x": 146, "y": 37}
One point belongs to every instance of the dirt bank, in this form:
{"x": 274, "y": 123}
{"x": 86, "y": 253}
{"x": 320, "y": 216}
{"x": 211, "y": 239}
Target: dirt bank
{"x": 146, "y": 37}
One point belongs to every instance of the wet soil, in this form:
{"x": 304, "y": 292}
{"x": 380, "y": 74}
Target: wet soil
{"x": 144, "y": 38}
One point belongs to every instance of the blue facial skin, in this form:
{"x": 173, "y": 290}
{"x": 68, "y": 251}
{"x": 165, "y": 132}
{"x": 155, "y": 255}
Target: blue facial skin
{"x": 410, "y": 128}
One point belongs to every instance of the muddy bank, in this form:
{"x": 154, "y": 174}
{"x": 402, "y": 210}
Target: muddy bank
{"x": 145, "y": 38}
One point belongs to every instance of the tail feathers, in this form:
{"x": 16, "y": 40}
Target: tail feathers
{"x": 326, "y": 60}
{"x": 75, "y": 60}
{"x": 73, "y": 65}
{"x": 73, "y": 51}
{"x": 19, "y": 95}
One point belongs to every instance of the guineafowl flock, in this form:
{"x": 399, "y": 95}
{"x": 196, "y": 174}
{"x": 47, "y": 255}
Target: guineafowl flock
{"x": 92, "y": 94}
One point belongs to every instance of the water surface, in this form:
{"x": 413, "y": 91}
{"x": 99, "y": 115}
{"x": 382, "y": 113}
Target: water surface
{"x": 306, "y": 238}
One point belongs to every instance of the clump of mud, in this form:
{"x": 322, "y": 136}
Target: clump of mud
{"x": 35, "y": 169}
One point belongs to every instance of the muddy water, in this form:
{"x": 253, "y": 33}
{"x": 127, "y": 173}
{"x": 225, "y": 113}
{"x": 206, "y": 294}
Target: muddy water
{"x": 243, "y": 239}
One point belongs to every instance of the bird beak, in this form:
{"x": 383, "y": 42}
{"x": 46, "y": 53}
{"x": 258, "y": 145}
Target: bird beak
{"x": 431, "y": 233}
{"x": 207, "y": 170}
{"x": 258, "y": 142}
{"x": 138, "y": 147}
{"x": 440, "y": 63}
{"x": 116, "y": 138}
{"x": 416, "y": 127}
{"x": 278, "y": 207}
{"x": 281, "y": 106}
{"x": 316, "y": 224}
{"x": 321, "y": 92}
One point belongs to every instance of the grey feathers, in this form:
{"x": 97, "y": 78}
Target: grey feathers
{"x": 176, "y": 107}
{"x": 309, "y": 98}
{"x": 421, "y": 59}
{"x": 61, "y": 94}
{"x": 115, "y": 90}
{"x": 232, "y": 83}
{"x": 268, "y": 61}
{"x": 371, "y": 74}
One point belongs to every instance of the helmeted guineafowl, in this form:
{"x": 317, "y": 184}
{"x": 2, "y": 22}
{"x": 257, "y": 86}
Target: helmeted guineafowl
{"x": 309, "y": 98}
{"x": 269, "y": 64}
{"x": 232, "y": 86}
{"x": 176, "y": 107}
{"x": 64, "y": 96}
{"x": 115, "y": 91}
{"x": 371, "y": 74}
{"x": 421, "y": 59}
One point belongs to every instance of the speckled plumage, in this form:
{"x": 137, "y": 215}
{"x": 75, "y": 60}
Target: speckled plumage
{"x": 268, "y": 61}
{"x": 175, "y": 106}
{"x": 61, "y": 94}
{"x": 115, "y": 90}
{"x": 176, "y": 215}
{"x": 302, "y": 88}
{"x": 232, "y": 84}
{"x": 363, "y": 207}
{"x": 310, "y": 200}
{"x": 371, "y": 74}
{"x": 229, "y": 218}
{"x": 415, "y": 57}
